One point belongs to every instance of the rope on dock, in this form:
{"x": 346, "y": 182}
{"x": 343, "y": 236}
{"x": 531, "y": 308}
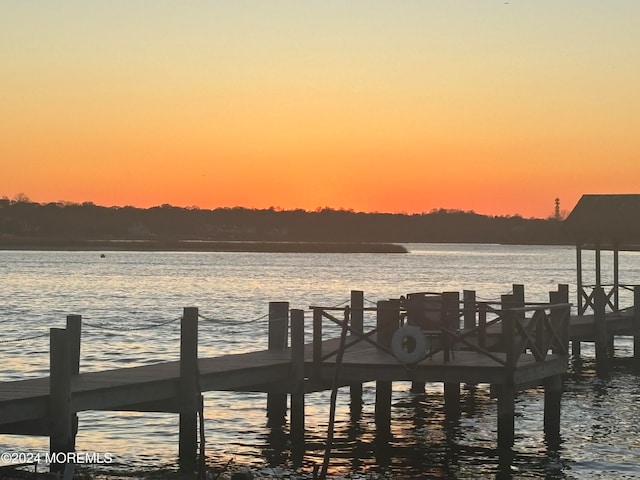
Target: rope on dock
{"x": 125, "y": 328}
{"x": 120, "y": 328}
{"x": 235, "y": 322}
{"x": 24, "y": 339}
{"x": 371, "y": 302}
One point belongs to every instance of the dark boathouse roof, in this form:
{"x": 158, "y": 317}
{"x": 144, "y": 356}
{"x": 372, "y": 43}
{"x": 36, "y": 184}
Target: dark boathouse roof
{"x": 607, "y": 221}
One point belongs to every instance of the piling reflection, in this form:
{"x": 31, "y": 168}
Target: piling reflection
{"x": 422, "y": 440}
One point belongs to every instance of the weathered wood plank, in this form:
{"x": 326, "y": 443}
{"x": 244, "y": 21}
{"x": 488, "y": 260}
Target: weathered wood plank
{"x": 124, "y": 388}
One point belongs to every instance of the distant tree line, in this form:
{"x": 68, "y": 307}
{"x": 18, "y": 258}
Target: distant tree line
{"x": 21, "y": 218}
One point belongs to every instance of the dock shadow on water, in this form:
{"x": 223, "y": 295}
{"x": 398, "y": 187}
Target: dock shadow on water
{"x": 423, "y": 440}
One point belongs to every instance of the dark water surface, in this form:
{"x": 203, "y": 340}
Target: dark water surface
{"x": 126, "y": 295}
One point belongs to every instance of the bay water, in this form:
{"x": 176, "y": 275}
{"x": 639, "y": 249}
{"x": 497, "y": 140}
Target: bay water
{"x": 131, "y": 303}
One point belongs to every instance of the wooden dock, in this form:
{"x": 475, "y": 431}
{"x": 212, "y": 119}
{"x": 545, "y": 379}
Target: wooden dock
{"x": 511, "y": 348}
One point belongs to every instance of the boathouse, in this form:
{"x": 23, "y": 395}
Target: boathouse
{"x": 604, "y": 224}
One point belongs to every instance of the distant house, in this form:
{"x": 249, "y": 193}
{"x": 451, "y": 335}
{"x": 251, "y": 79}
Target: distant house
{"x": 609, "y": 223}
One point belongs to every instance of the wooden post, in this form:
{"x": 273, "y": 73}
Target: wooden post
{"x": 482, "y": 323}
{"x": 357, "y": 323}
{"x": 317, "y": 343}
{"x": 575, "y": 344}
{"x": 469, "y": 305}
{"x": 506, "y": 415}
{"x": 598, "y": 260}
{"x": 616, "y": 279}
{"x": 452, "y": 400}
{"x": 388, "y": 320}
{"x": 278, "y": 333}
{"x": 579, "y": 279}
{"x": 563, "y": 290}
{"x": 189, "y": 391}
{"x": 552, "y": 406}
{"x": 508, "y": 329}
{"x": 556, "y": 314}
{"x": 563, "y": 296}
{"x": 74, "y": 332}
{"x": 278, "y": 325}
{"x": 600, "y": 329}
{"x": 518, "y": 294}
{"x": 575, "y": 348}
{"x": 636, "y": 325}
{"x": 297, "y": 373}
{"x": 450, "y": 319}
{"x": 61, "y": 436}
{"x": 451, "y": 315}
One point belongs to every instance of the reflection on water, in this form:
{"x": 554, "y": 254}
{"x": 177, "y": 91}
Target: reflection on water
{"x": 423, "y": 442}
{"x": 600, "y": 428}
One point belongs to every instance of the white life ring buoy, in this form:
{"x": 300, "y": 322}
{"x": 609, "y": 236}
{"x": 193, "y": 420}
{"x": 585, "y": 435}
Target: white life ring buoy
{"x": 408, "y": 344}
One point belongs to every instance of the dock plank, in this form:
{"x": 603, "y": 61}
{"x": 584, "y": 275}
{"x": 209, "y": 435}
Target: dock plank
{"x": 266, "y": 370}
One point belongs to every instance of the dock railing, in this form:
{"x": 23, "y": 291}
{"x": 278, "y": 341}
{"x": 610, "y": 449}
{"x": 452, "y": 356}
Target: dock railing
{"x": 502, "y": 331}
{"x": 614, "y": 296}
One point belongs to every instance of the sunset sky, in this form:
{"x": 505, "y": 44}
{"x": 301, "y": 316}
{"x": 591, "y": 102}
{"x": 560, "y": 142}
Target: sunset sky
{"x": 391, "y": 106}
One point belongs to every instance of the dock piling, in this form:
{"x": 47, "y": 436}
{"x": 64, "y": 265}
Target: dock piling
{"x": 636, "y": 326}
{"x": 61, "y": 434}
{"x": 297, "y": 373}
{"x": 552, "y": 403}
{"x": 357, "y": 323}
{"x": 189, "y": 391}
{"x": 74, "y": 332}
{"x": 600, "y": 330}
{"x": 317, "y": 343}
{"x": 469, "y": 309}
{"x": 278, "y": 340}
{"x": 451, "y": 317}
{"x": 388, "y": 320}
{"x": 506, "y": 415}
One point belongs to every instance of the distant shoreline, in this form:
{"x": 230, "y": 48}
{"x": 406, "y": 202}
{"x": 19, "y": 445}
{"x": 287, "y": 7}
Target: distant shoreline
{"x": 200, "y": 246}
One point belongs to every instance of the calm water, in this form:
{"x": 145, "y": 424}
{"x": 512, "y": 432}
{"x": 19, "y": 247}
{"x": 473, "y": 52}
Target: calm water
{"x": 122, "y": 295}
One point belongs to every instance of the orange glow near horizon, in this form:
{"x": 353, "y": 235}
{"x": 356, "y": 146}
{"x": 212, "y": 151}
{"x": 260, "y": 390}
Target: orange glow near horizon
{"x": 496, "y": 108}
